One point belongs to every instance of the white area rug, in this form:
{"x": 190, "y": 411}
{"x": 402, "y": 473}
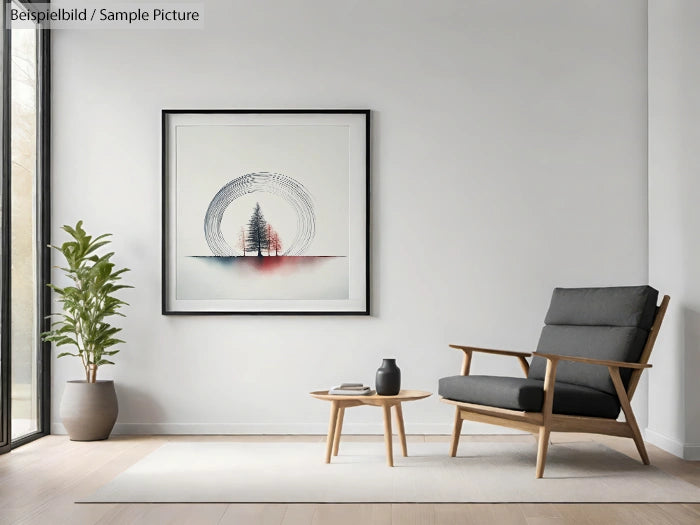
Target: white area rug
{"x": 296, "y": 473}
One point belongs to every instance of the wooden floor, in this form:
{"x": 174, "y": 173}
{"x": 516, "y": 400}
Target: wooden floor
{"x": 40, "y": 481}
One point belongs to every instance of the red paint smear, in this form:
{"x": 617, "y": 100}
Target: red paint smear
{"x": 269, "y": 264}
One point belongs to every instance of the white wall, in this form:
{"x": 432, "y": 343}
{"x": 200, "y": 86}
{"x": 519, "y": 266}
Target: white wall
{"x": 509, "y": 156}
{"x": 674, "y": 221}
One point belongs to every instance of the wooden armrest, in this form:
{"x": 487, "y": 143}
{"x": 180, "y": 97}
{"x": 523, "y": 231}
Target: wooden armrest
{"x": 468, "y": 357}
{"x": 491, "y": 351}
{"x": 604, "y": 362}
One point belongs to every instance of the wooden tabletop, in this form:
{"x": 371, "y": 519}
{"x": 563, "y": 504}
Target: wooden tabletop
{"x": 403, "y": 395}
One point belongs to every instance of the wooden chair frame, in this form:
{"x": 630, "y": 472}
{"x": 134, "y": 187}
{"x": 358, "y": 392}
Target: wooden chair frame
{"x": 541, "y": 424}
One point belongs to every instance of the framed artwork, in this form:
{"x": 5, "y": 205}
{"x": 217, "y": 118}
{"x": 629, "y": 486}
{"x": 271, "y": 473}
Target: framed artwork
{"x": 265, "y": 211}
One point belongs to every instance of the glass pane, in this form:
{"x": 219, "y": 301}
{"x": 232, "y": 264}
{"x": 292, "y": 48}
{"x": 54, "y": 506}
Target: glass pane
{"x": 23, "y": 282}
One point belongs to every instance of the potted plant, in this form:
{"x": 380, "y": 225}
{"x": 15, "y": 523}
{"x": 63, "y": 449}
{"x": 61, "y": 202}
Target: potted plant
{"x": 89, "y": 407}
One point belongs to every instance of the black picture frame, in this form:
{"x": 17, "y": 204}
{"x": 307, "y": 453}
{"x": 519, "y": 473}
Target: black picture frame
{"x": 167, "y": 271}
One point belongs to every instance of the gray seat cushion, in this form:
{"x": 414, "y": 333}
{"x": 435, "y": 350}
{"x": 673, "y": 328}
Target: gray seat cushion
{"x": 528, "y": 394}
{"x": 599, "y": 323}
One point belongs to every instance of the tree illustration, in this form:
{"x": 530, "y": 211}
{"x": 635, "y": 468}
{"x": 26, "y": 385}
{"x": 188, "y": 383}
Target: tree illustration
{"x": 257, "y": 231}
{"x": 275, "y": 243}
{"x": 269, "y": 238}
{"x": 242, "y": 240}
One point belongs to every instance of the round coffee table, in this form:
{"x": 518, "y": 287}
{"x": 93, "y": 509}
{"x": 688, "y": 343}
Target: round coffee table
{"x": 339, "y": 403}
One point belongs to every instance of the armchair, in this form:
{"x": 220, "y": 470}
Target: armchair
{"x": 594, "y": 346}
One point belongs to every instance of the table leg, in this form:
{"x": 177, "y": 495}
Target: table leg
{"x": 331, "y": 429}
{"x": 400, "y": 428}
{"x": 338, "y": 430}
{"x": 387, "y": 435}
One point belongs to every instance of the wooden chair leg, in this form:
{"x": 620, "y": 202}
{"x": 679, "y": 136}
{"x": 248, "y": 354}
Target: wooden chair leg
{"x": 547, "y": 404}
{"x": 639, "y": 442}
{"x": 331, "y": 429}
{"x": 457, "y": 428}
{"x": 536, "y": 436}
{"x": 338, "y": 430}
{"x": 629, "y": 414}
{"x": 542, "y": 445}
{"x": 456, "y": 431}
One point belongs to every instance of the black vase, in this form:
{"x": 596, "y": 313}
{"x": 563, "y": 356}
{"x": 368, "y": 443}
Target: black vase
{"x": 388, "y": 380}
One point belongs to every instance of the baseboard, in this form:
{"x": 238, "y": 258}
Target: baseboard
{"x": 288, "y": 428}
{"x": 689, "y": 451}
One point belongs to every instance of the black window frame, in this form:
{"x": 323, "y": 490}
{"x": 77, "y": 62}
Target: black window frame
{"x": 43, "y": 230}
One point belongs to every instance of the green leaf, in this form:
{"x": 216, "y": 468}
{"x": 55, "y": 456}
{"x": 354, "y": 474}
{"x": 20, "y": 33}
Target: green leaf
{"x": 95, "y": 245}
{"x": 66, "y": 341}
{"x": 70, "y": 230}
{"x": 111, "y": 342}
{"x": 119, "y": 272}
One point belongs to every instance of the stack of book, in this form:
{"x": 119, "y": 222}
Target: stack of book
{"x": 351, "y": 389}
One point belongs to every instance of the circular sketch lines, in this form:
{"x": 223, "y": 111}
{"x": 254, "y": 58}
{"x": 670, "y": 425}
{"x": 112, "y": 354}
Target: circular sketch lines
{"x": 294, "y": 193}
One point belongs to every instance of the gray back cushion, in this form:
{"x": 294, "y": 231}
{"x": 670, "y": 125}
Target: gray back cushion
{"x": 599, "y": 323}
{"x": 614, "y": 306}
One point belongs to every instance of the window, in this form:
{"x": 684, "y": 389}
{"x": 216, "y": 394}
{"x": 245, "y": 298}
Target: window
{"x": 24, "y": 361}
